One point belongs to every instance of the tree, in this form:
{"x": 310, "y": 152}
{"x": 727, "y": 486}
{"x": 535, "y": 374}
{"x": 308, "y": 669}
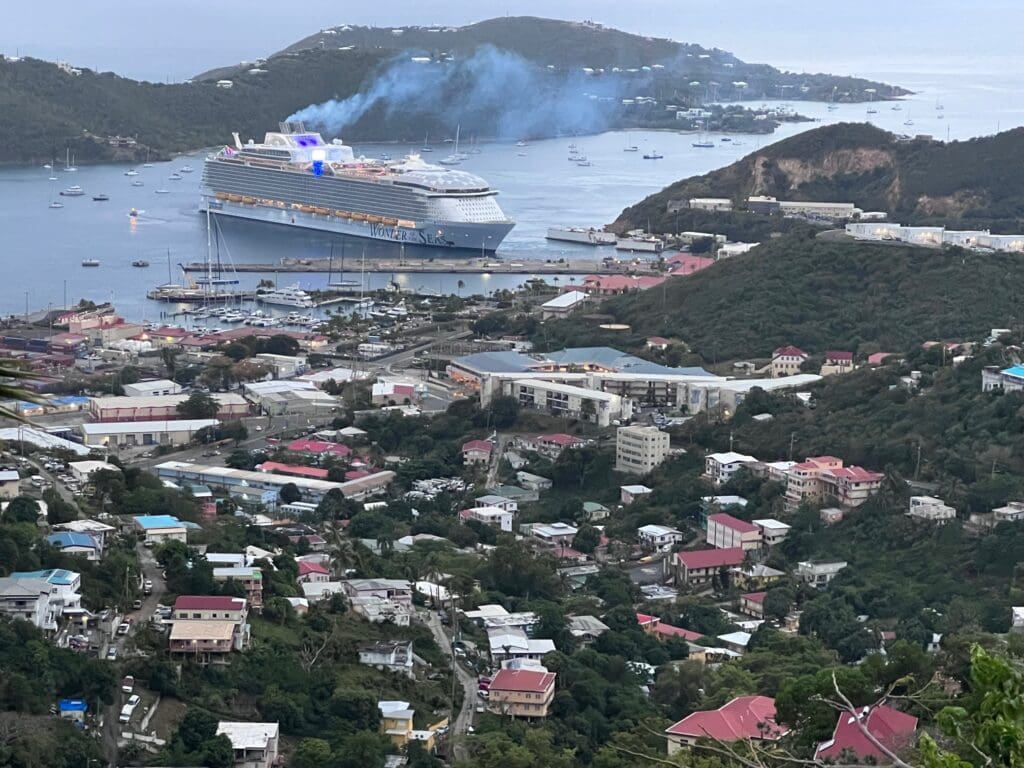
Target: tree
{"x": 290, "y": 493}
{"x": 218, "y": 752}
{"x": 197, "y": 727}
{"x": 199, "y": 405}
{"x": 311, "y": 753}
{"x": 777, "y": 602}
{"x": 587, "y": 410}
{"x": 504, "y": 411}
{"x": 587, "y": 538}
{"x": 240, "y": 459}
{"x": 168, "y": 355}
{"x": 21, "y": 509}
{"x": 234, "y": 430}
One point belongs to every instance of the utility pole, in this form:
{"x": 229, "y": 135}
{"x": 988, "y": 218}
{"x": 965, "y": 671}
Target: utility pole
{"x": 917, "y": 468}
{"x": 792, "y": 439}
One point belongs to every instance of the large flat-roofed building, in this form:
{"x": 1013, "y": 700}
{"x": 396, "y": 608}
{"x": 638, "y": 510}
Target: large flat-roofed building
{"x": 152, "y": 387}
{"x": 638, "y": 450}
{"x": 254, "y": 744}
{"x": 129, "y": 434}
{"x": 161, "y": 407}
{"x": 572, "y": 402}
{"x": 312, "y": 490}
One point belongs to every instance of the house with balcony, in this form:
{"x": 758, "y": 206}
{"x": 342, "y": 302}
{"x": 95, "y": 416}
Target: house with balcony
{"x": 394, "y": 656}
{"x": 208, "y": 615}
{"x": 719, "y": 468}
{"x": 837, "y": 362}
{"x": 660, "y": 538}
{"x": 786, "y": 361}
{"x": 501, "y": 502}
{"x": 494, "y": 517}
{"x": 772, "y": 531}
{"x": 1011, "y": 512}
{"x": 205, "y": 642}
{"x": 380, "y": 600}
{"x": 554, "y": 534}
{"x": 702, "y": 565}
{"x": 525, "y": 693}
{"x": 28, "y": 600}
{"x": 254, "y": 745}
{"x": 727, "y": 532}
{"x": 311, "y": 572}
{"x": 818, "y": 574}
{"x": 822, "y": 477}
{"x": 250, "y": 578}
{"x": 477, "y": 452}
{"x": 62, "y": 595}
{"x": 507, "y": 643}
{"x": 752, "y": 604}
{"x": 931, "y": 509}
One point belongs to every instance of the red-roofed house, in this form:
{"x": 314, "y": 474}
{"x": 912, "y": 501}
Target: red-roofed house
{"x": 687, "y": 264}
{"x": 205, "y": 627}
{"x": 752, "y": 604}
{"x": 786, "y": 361}
{"x": 726, "y": 532}
{"x": 297, "y": 470}
{"x": 311, "y": 573}
{"x": 893, "y": 729}
{"x": 837, "y": 362}
{"x": 521, "y": 692}
{"x": 209, "y": 608}
{"x": 550, "y": 445}
{"x": 657, "y": 342}
{"x": 319, "y": 447}
{"x": 702, "y": 565}
{"x": 825, "y": 476}
{"x": 477, "y": 452}
{"x": 878, "y": 358}
{"x": 652, "y": 625}
{"x": 744, "y": 718}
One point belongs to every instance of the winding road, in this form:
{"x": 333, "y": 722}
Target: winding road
{"x": 459, "y": 726}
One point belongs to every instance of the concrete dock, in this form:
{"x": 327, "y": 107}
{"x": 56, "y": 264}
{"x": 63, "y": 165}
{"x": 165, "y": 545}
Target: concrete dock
{"x": 451, "y": 266}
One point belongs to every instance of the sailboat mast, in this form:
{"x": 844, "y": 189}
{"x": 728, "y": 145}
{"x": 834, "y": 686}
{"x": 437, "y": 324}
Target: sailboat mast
{"x": 209, "y": 248}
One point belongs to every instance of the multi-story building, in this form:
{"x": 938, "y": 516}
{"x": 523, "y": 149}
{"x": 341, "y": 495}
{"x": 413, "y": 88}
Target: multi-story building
{"x": 513, "y": 643}
{"x": 818, "y": 574}
{"x": 744, "y": 718}
{"x": 658, "y": 537}
{"x": 567, "y": 401}
{"x": 490, "y": 516}
{"x": 786, "y": 361}
{"x": 1012, "y": 512}
{"x": 28, "y": 600}
{"x": 522, "y": 693}
{"x": 931, "y": 508}
{"x": 209, "y": 608}
{"x": 250, "y": 578}
{"x": 638, "y": 450}
{"x": 254, "y": 744}
{"x": 207, "y": 628}
{"x": 720, "y": 467}
{"x": 701, "y": 566}
{"x": 728, "y": 532}
{"x": 477, "y": 452}
{"x": 161, "y": 407}
{"x": 825, "y": 476}
{"x": 772, "y": 531}
{"x": 63, "y": 588}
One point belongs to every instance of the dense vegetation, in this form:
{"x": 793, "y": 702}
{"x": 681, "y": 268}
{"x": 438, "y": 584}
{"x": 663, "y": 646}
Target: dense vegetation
{"x": 44, "y": 111}
{"x": 818, "y": 295}
{"x": 968, "y": 184}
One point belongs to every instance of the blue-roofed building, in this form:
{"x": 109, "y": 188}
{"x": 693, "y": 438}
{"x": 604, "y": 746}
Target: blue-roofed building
{"x": 1006, "y": 380}
{"x": 71, "y": 543}
{"x": 72, "y": 709}
{"x": 156, "y": 529}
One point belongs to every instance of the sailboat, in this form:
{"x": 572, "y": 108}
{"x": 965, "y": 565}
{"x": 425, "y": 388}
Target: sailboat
{"x": 703, "y": 142}
{"x": 908, "y": 121}
{"x": 341, "y": 282}
{"x": 426, "y": 147}
{"x": 147, "y": 164}
{"x": 69, "y": 165}
{"x": 630, "y": 147}
{"x": 54, "y": 203}
{"x": 51, "y": 167}
{"x": 454, "y": 158}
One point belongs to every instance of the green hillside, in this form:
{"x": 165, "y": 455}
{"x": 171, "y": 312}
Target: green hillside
{"x": 973, "y": 183}
{"x": 45, "y": 111}
{"x": 819, "y": 295}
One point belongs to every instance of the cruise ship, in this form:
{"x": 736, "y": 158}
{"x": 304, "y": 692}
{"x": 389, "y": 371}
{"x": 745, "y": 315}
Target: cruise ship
{"x": 295, "y": 178}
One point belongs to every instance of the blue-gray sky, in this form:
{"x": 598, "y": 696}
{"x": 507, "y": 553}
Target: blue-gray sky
{"x": 174, "y": 39}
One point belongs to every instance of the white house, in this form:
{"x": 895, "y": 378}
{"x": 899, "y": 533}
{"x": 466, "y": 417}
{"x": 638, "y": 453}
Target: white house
{"x": 659, "y": 537}
{"x": 772, "y": 531}
{"x": 630, "y": 493}
{"x": 9, "y": 483}
{"x": 818, "y": 574}
{"x": 563, "y": 304}
{"x": 395, "y": 656}
{"x": 254, "y": 744}
{"x": 720, "y": 467}
{"x": 931, "y": 509}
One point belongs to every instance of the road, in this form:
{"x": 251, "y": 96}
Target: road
{"x": 459, "y": 726}
{"x": 495, "y": 465}
{"x": 111, "y": 727}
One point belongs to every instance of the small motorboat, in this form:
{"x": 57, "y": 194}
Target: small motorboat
{"x": 140, "y": 263}
{"x": 90, "y": 262}
{"x": 101, "y": 198}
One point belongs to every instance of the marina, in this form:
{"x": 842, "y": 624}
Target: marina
{"x": 580, "y": 266}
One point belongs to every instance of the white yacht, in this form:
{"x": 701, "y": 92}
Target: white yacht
{"x": 292, "y": 296}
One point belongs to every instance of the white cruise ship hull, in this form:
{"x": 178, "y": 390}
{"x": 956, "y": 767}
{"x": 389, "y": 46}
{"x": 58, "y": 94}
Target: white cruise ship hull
{"x": 466, "y": 236}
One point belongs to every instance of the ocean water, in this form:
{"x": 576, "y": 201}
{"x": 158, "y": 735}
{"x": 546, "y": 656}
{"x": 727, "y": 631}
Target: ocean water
{"x": 42, "y": 248}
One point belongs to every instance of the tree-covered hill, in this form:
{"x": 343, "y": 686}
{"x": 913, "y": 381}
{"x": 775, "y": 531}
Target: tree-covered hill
{"x": 971, "y": 184}
{"x": 45, "y": 110}
{"x": 819, "y": 295}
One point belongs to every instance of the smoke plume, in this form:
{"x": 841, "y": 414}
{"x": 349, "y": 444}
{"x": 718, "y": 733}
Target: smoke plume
{"x": 493, "y": 92}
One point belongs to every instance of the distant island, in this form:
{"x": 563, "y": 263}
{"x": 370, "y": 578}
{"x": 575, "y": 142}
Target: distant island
{"x": 546, "y": 77}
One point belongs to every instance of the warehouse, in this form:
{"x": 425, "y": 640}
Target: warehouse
{"x": 160, "y": 407}
{"x": 135, "y": 433}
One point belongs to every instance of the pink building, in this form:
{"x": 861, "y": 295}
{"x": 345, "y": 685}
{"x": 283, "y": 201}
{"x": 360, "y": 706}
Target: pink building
{"x": 825, "y": 476}
{"x": 727, "y": 532}
{"x": 477, "y": 451}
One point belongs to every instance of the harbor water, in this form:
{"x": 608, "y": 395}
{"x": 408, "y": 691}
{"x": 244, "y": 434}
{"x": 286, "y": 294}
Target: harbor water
{"x": 43, "y": 248}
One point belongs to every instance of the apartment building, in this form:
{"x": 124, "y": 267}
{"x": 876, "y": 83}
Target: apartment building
{"x": 638, "y": 450}
{"x": 720, "y": 467}
{"x": 825, "y": 476}
{"x": 250, "y": 578}
{"x": 728, "y": 532}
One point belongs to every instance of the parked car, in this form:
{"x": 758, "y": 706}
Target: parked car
{"x": 128, "y": 684}
{"x": 136, "y": 605}
{"x": 112, "y": 653}
{"x": 124, "y": 627}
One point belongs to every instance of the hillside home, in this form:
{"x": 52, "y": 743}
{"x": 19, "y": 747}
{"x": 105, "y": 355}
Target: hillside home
{"x": 254, "y": 744}
{"x": 477, "y": 452}
{"x": 752, "y": 604}
{"x": 825, "y": 477}
{"x": 744, "y": 718}
{"x": 554, "y": 534}
{"x": 837, "y": 362}
{"x": 550, "y": 445}
{"x": 818, "y": 574}
{"x": 501, "y": 502}
{"x": 81, "y": 544}
{"x": 156, "y": 529}
{"x": 524, "y": 693}
{"x": 311, "y": 572}
{"x": 772, "y": 531}
{"x": 630, "y": 493}
{"x": 786, "y": 361}
{"x": 62, "y": 595}
{"x": 394, "y": 656}
{"x": 489, "y": 516}
{"x": 1012, "y": 512}
{"x": 658, "y": 537}
{"x": 720, "y": 467}
{"x": 10, "y": 483}
{"x": 931, "y": 509}
{"x": 251, "y": 580}
{"x": 891, "y": 728}
{"x": 508, "y": 643}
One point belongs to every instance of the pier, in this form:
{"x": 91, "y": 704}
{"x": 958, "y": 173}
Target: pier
{"x": 477, "y": 266}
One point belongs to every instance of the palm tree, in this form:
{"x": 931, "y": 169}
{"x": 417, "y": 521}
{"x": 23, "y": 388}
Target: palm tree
{"x": 9, "y": 390}
{"x": 460, "y": 285}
